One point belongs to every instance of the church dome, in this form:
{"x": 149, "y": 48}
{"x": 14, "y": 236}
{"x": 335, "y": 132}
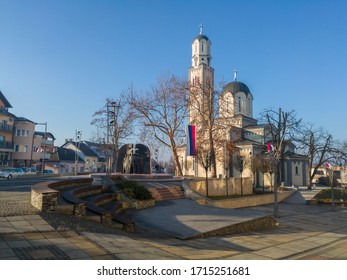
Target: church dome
{"x": 235, "y": 87}
{"x": 200, "y": 37}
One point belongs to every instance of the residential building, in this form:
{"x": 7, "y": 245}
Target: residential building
{"x": 64, "y": 161}
{"x": 90, "y": 158}
{"x": 6, "y": 131}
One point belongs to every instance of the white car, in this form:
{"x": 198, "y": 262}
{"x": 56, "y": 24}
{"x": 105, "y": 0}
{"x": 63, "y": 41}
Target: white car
{"x": 14, "y": 171}
{"x": 6, "y": 174}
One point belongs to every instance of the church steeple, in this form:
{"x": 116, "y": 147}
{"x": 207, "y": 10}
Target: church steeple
{"x": 201, "y": 74}
{"x": 201, "y": 50}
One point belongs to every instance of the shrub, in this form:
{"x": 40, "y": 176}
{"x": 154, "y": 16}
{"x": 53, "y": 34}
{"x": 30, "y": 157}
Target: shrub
{"x": 134, "y": 190}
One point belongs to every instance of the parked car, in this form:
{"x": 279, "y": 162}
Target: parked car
{"x": 14, "y": 171}
{"x": 6, "y": 174}
{"x": 47, "y": 171}
{"x": 29, "y": 170}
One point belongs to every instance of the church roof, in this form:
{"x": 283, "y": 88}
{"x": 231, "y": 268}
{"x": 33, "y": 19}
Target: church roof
{"x": 200, "y": 37}
{"x": 235, "y": 87}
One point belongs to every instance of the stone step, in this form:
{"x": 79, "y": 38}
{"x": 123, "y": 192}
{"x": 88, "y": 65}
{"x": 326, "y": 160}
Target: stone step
{"x": 167, "y": 193}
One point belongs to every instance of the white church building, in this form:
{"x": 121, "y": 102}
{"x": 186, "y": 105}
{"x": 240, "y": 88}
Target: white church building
{"x": 235, "y": 112}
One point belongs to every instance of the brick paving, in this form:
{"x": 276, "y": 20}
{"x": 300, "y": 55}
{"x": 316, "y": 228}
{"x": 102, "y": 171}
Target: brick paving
{"x": 304, "y": 232}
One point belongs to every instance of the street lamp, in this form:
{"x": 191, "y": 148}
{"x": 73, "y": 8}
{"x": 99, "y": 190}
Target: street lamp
{"x": 44, "y": 145}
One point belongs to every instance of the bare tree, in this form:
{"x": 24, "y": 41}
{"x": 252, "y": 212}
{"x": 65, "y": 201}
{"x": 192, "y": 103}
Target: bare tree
{"x": 204, "y": 114}
{"x": 114, "y": 124}
{"x": 240, "y": 163}
{"x": 163, "y": 110}
{"x": 317, "y": 144}
{"x": 280, "y": 125}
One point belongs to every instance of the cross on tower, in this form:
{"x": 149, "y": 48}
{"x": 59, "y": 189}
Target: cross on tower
{"x": 201, "y": 28}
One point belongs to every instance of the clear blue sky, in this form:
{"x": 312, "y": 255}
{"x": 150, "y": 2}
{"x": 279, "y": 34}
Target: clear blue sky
{"x": 60, "y": 60}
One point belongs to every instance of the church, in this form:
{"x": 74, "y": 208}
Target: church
{"x": 233, "y": 123}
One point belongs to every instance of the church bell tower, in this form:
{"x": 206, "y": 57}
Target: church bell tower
{"x": 201, "y": 74}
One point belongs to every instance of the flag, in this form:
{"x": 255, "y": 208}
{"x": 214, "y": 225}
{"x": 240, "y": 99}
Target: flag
{"x": 327, "y": 165}
{"x": 269, "y": 147}
{"x": 191, "y": 140}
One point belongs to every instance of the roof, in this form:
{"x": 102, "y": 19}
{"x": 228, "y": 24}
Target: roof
{"x": 50, "y": 135}
{"x": 22, "y": 119}
{"x": 5, "y": 101}
{"x": 88, "y": 152}
{"x": 235, "y": 87}
{"x": 200, "y": 37}
{"x": 67, "y": 155}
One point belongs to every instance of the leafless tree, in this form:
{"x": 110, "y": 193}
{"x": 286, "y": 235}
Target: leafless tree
{"x": 280, "y": 125}
{"x": 204, "y": 114}
{"x": 240, "y": 164}
{"x": 317, "y": 144}
{"x": 163, "y": 110}
{"x": 114, "y": 125}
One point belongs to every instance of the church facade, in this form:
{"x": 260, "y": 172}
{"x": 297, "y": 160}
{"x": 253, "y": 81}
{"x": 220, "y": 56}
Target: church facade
{"x": 233, "y": 122}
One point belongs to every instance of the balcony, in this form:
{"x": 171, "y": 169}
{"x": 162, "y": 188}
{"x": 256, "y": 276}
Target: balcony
{"x": 6, "y": 145}
{"x": 6, "y": 128}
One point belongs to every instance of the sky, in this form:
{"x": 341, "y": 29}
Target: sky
{"x": 60, "y": 60}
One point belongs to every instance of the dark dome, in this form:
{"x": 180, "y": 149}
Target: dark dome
{"x": 235, "y": 87}
{"x": 200, "y": 36}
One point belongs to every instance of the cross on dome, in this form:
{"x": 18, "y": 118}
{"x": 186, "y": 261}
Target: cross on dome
{"x": 201, "y": 28}
{"x": 235, "y": 74}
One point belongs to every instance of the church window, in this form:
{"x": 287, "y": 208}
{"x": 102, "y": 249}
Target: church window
{"x": 296, "y": 170}
{"x": 239, "y": 104}
{"x": 196, "y": 48}
{"x": 227, "y": 104}
{"x": 202, "y": 47}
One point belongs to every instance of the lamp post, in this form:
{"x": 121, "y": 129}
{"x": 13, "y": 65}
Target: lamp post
{"x": 44, "y": 145}
{"x": 78, "y": 138}
{"x": 112, "y": 112}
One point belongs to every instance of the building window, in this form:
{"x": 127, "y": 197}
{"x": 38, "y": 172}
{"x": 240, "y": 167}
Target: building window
{"x": 26, "y": 149}
{"x": 202, "y": 47}
{"x": 16, "y": 148}
{"x": 227, "y": 104}
{"x": 296, "y": 170}
{"x": 239, "y": 104}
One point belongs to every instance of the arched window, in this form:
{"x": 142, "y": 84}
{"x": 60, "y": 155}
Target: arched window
{"x": 240, "y": 104}
{"x": 296, "y": 170}
{"x": 202, "y": 47}
{"x": 227, "y": 104}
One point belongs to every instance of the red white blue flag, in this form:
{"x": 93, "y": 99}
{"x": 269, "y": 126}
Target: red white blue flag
{"x": 327, "y": 165}
{"x": 191, "y": 140}
{"x": 269, "y": 147}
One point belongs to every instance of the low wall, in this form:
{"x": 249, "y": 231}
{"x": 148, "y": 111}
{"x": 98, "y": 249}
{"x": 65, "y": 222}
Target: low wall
{"x": 223, "y": 187}
{"x": 44, "y": 198}
{"x": 245, "y": 201}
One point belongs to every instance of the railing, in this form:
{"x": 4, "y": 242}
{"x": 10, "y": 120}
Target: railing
{"x": 6, "y": 145}
{"x": 6, "y": 128}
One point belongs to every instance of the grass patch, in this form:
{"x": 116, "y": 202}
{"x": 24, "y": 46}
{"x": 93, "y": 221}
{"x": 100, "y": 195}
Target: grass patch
{"x": 133, "y": 190}
{"x": 325, "y": 195}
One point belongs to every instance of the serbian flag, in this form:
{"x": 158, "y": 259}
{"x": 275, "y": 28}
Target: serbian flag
{"x": 191, "y": 140}
{"x": 269, "y": 147}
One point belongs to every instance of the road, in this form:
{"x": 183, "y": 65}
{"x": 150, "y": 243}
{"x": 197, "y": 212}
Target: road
{"x": 24, "y": 183}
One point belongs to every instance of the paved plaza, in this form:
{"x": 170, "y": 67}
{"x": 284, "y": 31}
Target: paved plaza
{"x": 304, "y": 232}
